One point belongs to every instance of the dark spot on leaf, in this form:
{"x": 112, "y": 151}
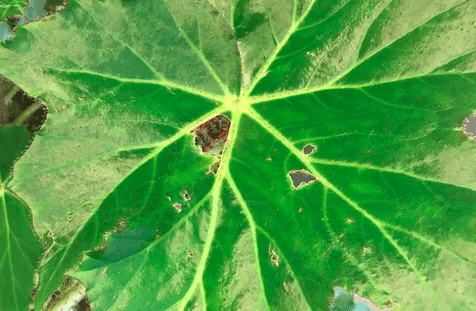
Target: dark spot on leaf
{"x": 300, "y": 178}
{"x": 309, "y": 149}
{"x": 191, "y": 255}
{"x": 469, "y": 127}
{"x": 33, "y": 292}
{"x": 389, "y": 303}
{"x": 211, "y": 135}
{"x": 186, "y": 196}
{"x": 178, "y": 207}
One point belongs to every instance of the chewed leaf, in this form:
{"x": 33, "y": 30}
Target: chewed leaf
{"x": 253, "y": 155}
{"x": 300, "y": 178}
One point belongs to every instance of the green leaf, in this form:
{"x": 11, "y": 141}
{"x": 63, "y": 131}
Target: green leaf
{"x": 10, "y": 8}
{"x": 20, "y": 246}
{"x": 14, "y": 140}
{"x": 344, "y": 165}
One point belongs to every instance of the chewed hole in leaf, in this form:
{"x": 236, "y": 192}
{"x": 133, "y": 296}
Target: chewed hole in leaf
{"x": 352, "y": 301}
{"x": 186, "y": 195}
{"x": 300, "y": 178}
{"x": 211, "y": 135}
{"x": 309, "y": 149}
{"x": 469, "y": 126}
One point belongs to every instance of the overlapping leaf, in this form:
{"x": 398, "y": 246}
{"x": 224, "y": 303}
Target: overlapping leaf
{"x": 19, "y": 245}
{"x": 380, "y": 88}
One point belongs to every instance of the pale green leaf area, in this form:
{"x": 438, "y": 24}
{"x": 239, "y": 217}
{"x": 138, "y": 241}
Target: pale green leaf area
{"x": 10, "y": 8}
{"x": 379, "y": 88}
{"x": 20, "y": 248}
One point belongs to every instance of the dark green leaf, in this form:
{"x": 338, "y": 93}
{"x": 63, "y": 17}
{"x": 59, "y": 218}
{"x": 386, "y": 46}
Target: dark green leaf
{"x": 14, "y": 140}
{"x": 19, "y": 245}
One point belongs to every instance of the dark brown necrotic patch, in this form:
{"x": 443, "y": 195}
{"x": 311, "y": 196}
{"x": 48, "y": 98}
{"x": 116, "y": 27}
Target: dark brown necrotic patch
{"x": 211, "y": 135}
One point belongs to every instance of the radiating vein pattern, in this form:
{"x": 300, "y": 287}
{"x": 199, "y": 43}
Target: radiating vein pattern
{"x": 147, "y": 219}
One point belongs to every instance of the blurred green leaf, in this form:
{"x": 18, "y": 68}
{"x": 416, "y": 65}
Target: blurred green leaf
{"x": 9, "y": 8}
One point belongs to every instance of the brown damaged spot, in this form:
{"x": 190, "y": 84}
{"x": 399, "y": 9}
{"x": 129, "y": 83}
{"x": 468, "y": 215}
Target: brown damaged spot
{"x": 211, "y": 137}
{"x": 300, "y": 178}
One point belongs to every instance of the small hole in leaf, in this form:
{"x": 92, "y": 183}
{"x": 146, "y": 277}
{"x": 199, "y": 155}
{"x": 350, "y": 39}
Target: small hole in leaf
{"x": 301, "y": 178}
{"x": 468, "y": 126}
{"x": 309, "y": 149}
{"x": 269, "y": 159}
{"x": 186, "y": 196}
{"x": 178, "y": 207}
{"x": 191, "y": 255}
{"x": 274, "y": 258}
{"x": 300, "y": 210}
